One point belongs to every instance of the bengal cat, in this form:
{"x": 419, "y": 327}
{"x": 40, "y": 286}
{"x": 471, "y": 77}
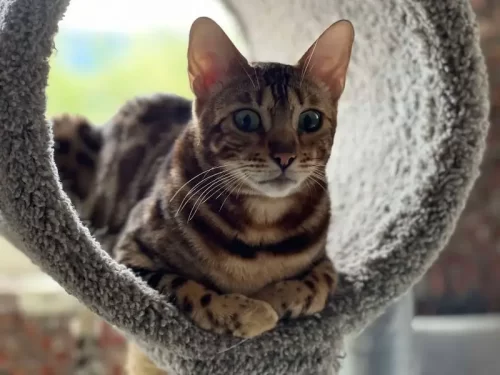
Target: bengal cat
{"x": 222, "y": 204}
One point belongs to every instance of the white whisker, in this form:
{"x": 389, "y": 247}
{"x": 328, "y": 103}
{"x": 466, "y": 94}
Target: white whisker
{"x": 208, "y": 170}
{"x": 213, "y": 186}
{"x": 196, "y": 188}
{"x": 234, "y": 346}
{"x": 227, "y": 182}
{"x": 318, "y": 182}
{"x": 241, "y": 185}
{"x": 235, "y": 186}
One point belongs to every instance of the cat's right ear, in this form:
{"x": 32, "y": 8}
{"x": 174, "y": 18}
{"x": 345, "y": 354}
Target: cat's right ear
{"x": 212, "y": 57}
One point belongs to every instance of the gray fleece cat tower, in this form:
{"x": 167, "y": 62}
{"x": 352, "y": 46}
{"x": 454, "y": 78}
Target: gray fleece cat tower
{"x": 411, "y": 134}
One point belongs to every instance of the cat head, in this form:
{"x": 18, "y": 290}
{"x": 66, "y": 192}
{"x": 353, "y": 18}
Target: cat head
{"x": 270, "y": 126}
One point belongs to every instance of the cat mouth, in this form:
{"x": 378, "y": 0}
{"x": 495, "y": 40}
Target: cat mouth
{"x": 280, "y": 181}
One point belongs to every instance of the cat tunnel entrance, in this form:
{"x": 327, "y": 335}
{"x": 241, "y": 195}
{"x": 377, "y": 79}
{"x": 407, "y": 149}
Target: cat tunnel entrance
{"x": 412, "y": 126}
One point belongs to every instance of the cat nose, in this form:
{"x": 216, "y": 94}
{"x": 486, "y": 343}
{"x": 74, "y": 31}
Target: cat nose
{"x": 283, "y": 159}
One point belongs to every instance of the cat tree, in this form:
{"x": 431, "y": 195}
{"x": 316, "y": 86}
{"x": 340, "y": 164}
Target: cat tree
{"x": 411, "y": 133}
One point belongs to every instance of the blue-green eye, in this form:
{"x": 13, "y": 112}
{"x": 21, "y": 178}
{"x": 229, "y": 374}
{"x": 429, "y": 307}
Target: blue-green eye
{"x": 310, "y": 121}
{"x": 247, "y": 120}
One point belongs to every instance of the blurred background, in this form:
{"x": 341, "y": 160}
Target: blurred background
{"x": 104, "y": 57}
{"x": 466, "y": 278}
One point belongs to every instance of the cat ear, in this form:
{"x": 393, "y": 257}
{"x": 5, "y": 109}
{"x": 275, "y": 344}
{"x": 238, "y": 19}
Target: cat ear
{"x": 212, "y": 57}
{"x": 328, "y": 58}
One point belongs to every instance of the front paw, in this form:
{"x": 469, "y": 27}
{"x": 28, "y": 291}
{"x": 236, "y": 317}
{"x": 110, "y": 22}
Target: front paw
{"x": 233, "y": 314}
{"x": 237, "y": 315}
{"x": 304, "y": 296}
{"x": 293, "y": 298}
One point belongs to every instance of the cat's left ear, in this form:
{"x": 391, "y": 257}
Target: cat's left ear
{"x": 212, "y": 57}
{"x": 328, "y": 58}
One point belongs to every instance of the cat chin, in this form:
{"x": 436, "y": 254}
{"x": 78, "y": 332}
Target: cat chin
{"x": 277, "y": 189}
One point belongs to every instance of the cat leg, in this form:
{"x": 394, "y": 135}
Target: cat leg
{"x": 305, "y": 295}
{"x": 232, "y": 314}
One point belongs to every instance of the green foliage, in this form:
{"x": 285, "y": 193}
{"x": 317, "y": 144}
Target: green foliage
{"x": 151, "y": 62}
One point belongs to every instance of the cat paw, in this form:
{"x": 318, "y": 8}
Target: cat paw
{"x": 256, "y": 318}
{"x": 233, "y": 314}
{"x": 294, "y": 298}
{"x": 237, "y": 315}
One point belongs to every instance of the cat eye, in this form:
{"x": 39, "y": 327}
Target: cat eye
{"x": 310, "y": 121}
{"x": 247, "y": 120}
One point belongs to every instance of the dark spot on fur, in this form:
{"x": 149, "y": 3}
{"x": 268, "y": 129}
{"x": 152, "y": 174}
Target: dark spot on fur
{"x": 62, "y": 146}
{"x": 314, "y": 277}
{"x": 159, "y": 209}
{"x": 177, "y": 283}
{"x": 328, "y": 279}
{"x": 205, "y": 300}
{"x": 284, "y": 306}
{"x": 187, "y": 305}
{"x": 155, "y": 279}
{"x": 99, "y": 212}
{"x": 144, "y": 248}
{"x": 139, "y": 271}
{"x": 307, "y": 303}
{"x": 67, "y": 173}
{"x": 157, "y": 216}
{"x": 299, "y": 289}
{"x": 128, "y": 167}
{"x": 211, "y": 318}
{"x": 259, "y": 97}
{"x": 172, "y": 298}
{"x": 310, "y": 284}
{"x": 85, "y": 160}
{"x": 90, "y": 137}
{"x": 300, "y": 97}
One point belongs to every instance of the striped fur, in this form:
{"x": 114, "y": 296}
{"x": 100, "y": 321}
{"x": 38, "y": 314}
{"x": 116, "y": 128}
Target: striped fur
{"x": 200, "y": 210}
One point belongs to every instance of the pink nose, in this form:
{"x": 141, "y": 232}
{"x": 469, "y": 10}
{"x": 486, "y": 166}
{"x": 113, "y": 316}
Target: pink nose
{"x": 284, "y": 159}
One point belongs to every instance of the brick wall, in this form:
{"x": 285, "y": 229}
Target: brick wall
{"x": 466, "y": 278}
{"x": 44, "y": 345}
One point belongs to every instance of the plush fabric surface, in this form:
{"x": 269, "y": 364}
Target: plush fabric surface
{"x": 411, "y": 133}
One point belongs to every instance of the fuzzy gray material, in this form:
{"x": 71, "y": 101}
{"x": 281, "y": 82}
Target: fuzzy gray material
{"x": 411, "y": 134}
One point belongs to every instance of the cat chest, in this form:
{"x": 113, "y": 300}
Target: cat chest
{"x": 232, "y": 273}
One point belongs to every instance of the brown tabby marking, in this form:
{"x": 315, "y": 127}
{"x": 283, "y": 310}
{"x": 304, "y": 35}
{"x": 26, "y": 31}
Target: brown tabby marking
{"x": 227, "y": 218}
{"x": 77, "y": 147}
